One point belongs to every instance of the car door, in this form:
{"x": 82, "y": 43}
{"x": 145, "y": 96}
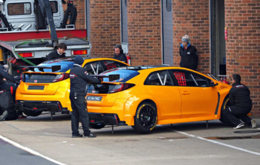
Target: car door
{"x": 159, "y": 85}
{"x": 198, "y": 99}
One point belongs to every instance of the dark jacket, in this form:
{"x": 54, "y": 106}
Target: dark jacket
{"x": 239, "y": 96}
{"x": 4, "y": 74}
{"x": 121, "y": 57}
{"x": 79, "y": 79}
{"x": 54, "y": 55}
{"x": 189, "y": 57}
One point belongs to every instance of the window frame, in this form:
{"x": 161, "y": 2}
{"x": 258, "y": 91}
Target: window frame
{"x": 8, "y": 11}
{"x": 191, "y": 76}
{"x": 160, "y": 80}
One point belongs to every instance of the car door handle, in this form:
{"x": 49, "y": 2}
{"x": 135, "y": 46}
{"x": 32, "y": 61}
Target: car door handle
{"x": 185, "y": 93}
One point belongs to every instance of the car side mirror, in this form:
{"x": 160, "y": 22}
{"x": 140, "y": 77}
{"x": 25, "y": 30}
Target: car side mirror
{"x": 212, "y": 84}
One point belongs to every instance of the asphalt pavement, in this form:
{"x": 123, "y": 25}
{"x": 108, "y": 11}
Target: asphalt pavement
{"x": 46, "y": 141}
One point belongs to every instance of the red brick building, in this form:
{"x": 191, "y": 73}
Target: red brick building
{"x": 152, "y": 31}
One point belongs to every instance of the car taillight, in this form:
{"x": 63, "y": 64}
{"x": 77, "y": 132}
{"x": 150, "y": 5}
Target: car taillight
{"x": 61, "y": 77}
{"x": 121, "y": 87}
{"x": 26, "y": 54}
{"x": 79, "y": 52}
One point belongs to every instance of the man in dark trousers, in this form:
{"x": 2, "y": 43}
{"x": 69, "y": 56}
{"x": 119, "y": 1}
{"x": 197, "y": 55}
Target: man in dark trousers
{"x": 188, "y": 53}
{"x": 78, "y": 82}
{"x": 240, "y": 105}
{"x": 119, "y": 54}
{"x": 59, "y": 52}
{"x": 4, "y": 86}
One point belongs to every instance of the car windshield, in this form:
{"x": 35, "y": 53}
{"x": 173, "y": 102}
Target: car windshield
{"x": 124, "y": 75}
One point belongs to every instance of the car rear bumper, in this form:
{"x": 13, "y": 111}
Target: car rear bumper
{"x": 105, "y": 118}
{"x": 53, "y": 106}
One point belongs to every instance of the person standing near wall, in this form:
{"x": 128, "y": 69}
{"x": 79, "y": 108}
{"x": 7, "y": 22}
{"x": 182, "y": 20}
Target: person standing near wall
{"x": 188, "y": 53}
{"x": 119, "y": 54}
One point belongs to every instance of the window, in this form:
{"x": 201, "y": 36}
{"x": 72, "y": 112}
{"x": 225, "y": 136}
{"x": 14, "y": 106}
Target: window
{"x": 159, "y": 78}
{"x": 94, "y": 68}
{"x": 201, "y": 81}
{"x": 19, "y": 8}
{"x": 111, "y": 64}
{"x": 186, "y": 78}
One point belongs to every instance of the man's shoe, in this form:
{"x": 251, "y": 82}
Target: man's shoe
{"x": 3, "y": 116}
{"x": 76, "y": 135}
{"x": 253, "y": 123}
{"x": 90, "y": 135}
{"x": 241, "y": 125}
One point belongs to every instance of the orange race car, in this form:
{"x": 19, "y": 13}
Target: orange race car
{"x": 145, "y": 96}
{"x": 44, "y": 90}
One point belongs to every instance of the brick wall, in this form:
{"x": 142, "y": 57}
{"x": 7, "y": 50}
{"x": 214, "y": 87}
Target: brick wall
{"x": 144, "y": 32}
{"x": 242, "y": 47}
{"x": 105, "y": 27}
{"x": 192, "y": 17}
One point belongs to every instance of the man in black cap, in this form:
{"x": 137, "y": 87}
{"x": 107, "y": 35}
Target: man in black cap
{"x": 240, "y": 105}
{"x": 78, "y": 82}
{"x": 59, "y": 52}
{"x": 119, "y": 54}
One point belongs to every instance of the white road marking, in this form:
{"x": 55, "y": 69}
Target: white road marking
{"x": 29, "y": 150}
{"x": 219, "y": 143}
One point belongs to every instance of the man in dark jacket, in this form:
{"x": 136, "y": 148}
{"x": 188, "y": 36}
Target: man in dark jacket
{"x": 119, "y": 54}
{"x": 57, "y": 53}
{"x": 78, "y": 82}
{"x": 188, "y": 53}
{"x": 240, "y": 105}
{"x": 4, "y": 86}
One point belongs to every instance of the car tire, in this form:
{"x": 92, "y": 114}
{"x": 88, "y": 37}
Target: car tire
{"x": 32, "y": 113}
{"x": 97, "y": 125}
{"x": 223, "y": 119}
{"x": 145, "y": 118}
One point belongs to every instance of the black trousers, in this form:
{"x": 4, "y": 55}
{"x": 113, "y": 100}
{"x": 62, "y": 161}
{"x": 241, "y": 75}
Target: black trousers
{"x": 79, "y": 113}
{"x": 234, "y": 114}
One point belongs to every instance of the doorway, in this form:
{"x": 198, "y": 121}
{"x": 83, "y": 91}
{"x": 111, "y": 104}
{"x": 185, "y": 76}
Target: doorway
{"x": 218, "y": 45}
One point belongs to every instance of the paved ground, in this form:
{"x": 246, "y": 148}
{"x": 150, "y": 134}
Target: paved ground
{"x": 183, "y": 144}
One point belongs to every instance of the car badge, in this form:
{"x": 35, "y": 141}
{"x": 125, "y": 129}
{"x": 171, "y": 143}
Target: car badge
{"x": 35, "y": 81}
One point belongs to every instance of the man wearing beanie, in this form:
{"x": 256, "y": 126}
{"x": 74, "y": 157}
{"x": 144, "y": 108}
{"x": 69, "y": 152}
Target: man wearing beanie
{"x": 79, "y": 79}
{"x": 188, "y": 53}
{"x": 240, "y": 105}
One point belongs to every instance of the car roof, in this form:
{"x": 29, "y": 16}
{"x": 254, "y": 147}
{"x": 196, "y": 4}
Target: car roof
{"x": 152, "y": 68}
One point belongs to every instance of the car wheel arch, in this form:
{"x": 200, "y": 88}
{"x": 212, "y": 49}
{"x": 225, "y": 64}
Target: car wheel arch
{"x": 148, "y": 101}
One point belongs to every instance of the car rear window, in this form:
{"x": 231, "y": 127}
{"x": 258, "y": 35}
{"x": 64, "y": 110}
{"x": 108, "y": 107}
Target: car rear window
{"x": 39, "y": 78}
{"x": 124, "y": 74}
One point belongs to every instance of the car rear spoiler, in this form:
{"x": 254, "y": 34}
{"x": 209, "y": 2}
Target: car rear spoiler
{"x": 41, "y": 68}
{"x": 111, "y": 77}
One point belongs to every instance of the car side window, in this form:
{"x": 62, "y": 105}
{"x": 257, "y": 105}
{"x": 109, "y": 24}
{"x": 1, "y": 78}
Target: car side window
{"x": 94, "y": 67}
{"x": 187, "y": 78}
{"x": 159, "y": 78}
{"x": 107, "y": 64}
{"x": 201, "y": 81}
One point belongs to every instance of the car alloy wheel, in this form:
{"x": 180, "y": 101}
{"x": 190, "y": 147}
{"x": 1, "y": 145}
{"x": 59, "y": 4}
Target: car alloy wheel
{"x": 146, "y": 117}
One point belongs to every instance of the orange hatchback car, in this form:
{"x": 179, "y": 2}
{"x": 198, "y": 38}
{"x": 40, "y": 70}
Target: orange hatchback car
{"x": 148, "y": 95}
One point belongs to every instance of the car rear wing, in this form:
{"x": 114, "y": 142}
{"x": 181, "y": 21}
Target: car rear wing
{"x": 53, "y": 68}
{"x": 111, "y": 77}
